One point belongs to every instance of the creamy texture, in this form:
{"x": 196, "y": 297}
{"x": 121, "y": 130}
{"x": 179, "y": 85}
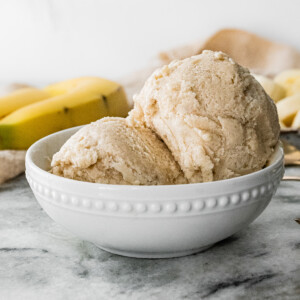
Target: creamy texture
{"x": 110, "y": 151}
{"x": 200, "y": 119}
{"x": 215, "y": 118}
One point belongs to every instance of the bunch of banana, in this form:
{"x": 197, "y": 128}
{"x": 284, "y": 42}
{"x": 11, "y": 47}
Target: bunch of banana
{"x": 30, "y": 114}
{"x": 284, "y": 89}
{"x": 20, "y": 98}
{"x": 274, "y": 90}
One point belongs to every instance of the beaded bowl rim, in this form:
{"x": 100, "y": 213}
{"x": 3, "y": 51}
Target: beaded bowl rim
{"x": 278, "y": 151}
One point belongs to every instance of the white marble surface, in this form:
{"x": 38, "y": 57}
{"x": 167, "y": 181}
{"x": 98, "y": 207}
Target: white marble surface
{"x": 41, "y": 260}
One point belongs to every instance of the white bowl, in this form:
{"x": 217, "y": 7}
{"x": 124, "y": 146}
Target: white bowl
{"x": 149, "y": 221}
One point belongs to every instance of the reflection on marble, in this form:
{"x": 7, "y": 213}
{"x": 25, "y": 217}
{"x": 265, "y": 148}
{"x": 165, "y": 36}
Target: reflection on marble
{"x": 41, "y": 260}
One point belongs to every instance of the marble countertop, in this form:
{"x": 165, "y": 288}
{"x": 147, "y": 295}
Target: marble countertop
{"x": 41, "y": 260}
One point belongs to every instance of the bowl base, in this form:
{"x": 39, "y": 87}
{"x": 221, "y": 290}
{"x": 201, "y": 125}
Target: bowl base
{"x": 154, "y": 254}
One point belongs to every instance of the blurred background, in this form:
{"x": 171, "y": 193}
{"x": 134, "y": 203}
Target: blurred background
{"x": 50, "y": 40}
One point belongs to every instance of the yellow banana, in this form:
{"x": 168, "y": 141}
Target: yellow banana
{"x": 273, "y": 89}
{"x": 282, "y": 125}
{"x": 287, "y": 79}
{"x": 287, "y": 108}
{"x": 296, "y": 121}
{"x": 20, "y": 98}
{"x": 295, "y": 88}
{"x": 73, "y": 102}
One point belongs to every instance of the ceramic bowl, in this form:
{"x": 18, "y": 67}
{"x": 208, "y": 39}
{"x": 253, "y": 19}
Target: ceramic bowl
{"x": 149, "y": 221}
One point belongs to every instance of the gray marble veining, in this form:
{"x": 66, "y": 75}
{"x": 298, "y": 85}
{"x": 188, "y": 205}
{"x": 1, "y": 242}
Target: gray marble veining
{"x": 41, "y": 260}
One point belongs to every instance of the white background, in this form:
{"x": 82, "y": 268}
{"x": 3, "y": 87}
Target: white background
{"x": 44, "y": 41}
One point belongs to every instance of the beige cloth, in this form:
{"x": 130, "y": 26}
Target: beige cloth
{"x": 12, "y": 163}
{"x": 261, "y": 56}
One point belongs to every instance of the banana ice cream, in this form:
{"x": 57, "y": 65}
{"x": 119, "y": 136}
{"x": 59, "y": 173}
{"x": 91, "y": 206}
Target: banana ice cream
{"x": 215, "y": 118}
{"x": 110, "y": 151}
{"x": 200, "y": 119}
